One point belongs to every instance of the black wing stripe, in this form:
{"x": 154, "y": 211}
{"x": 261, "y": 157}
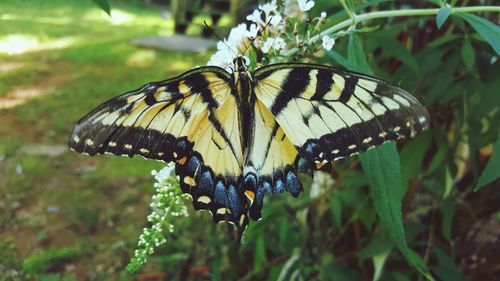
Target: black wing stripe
{"x": 290, "y": 89}
{"x": 324, "y": 82}
{"x": 349, "y": 86}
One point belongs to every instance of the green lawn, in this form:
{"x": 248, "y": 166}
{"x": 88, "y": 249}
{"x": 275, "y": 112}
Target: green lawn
{"x": 69, "y": 214}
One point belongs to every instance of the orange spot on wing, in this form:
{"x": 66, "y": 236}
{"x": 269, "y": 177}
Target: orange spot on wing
{"x": 250, "y": 195}
{"x": 320, "y": 165}
{"x": 183, "y": 160}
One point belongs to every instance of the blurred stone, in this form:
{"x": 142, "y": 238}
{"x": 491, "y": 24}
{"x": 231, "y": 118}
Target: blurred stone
{"x": 166, "y": 14}
{"x": 15, "y": 205}
{"x": 19, "y": 169}
{"x": 53, "y": 209}
{"x": 43, "y": 149}
{"x": 177, "y": 42}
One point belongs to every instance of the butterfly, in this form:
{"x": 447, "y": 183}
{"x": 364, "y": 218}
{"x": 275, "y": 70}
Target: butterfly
{"x": 238, "y": 136}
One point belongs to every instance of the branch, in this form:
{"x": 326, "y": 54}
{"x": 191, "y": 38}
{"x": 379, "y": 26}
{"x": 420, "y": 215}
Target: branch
{"x": 396, "y": 13}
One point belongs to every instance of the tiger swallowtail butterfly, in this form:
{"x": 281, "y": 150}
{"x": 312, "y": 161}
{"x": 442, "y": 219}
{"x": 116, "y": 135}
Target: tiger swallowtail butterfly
{"x": 238, "y": 136}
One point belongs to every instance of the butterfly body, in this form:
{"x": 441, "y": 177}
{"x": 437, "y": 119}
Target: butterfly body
{"x": 238, "y": 136}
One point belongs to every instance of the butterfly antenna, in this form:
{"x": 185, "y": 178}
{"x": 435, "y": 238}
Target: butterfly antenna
{"x": 258, "y": 34}
{"x": 219, "y": 38}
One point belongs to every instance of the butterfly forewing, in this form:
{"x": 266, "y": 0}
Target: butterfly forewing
{"x": 330, "y": 114}
{"x": 191, "y": 120}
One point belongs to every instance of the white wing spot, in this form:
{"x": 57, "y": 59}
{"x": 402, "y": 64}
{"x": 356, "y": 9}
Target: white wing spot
{"x": 89, "y": 142}
{"x": 205, "y": 200}
{"x": 367, "y": 140}
{"x": 352, "y": 146}
{"x": 321, "y": 155}
{"x": 112, "y": 144}
{"x": 174, "y": 154}
{"x": 397, "y": 128}
{"x": 422, "y": 119}
{"x": 223, "y": 211}
{"x": 160, "y": 153}
{"x": 144, "y": 150}
{"x": 128, "y": 146}
{"x": 76, "y": 138}
{"x": 367, "y": 84}
{"x": 191, "y": 182}
{"x": 382, "y": 135}
{"x": 335, "y": 151}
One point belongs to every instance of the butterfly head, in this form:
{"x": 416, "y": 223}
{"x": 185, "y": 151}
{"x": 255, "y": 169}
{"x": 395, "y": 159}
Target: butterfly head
{"x": 242, "y": 77}
{"x": 241, "y": 64}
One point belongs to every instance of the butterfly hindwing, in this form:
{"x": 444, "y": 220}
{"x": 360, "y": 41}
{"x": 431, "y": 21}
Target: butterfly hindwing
{"x": 191, "y": 120}
{"x": 270, "y": 162}
{"x": 330, "y": 114}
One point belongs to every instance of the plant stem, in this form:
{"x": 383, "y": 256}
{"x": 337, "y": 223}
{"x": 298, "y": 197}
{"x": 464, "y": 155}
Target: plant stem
{"x": 395, "y": 13}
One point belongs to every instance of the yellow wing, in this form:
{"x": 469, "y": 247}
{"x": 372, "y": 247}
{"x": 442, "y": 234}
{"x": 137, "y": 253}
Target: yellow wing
{"x": 270, "y": 161}
{"x": 191, "y": 120}
{"x": 330, "y": 114}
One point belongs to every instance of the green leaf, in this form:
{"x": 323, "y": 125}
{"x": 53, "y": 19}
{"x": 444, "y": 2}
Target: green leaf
{"x": 356, "y": 55}
{"x": 492, "y": 170}
{"x": 47, "y": 259}
{"x": 289, "y": 265}
{"x": 393, "y": 48}
{"x": 412, "y": 156}
{"x": 382, "y": 168}
{"x": 260, "y": 253}
{"x": 448, "y": 183}
{"x": 468, "y": 54}
{"x": 439, "y": 157}
{"x": 400, "y": 276}
{"x": 336, "y": 207}
{"x": 448, "y": 212}
{"x": 446, "y": 268}
{"x": 340, "y": 59}
{"x": 443, "y": 40}
{"x": 332, "y": 271}
{"x": 104, "y": 5}
{"x": 377, "y": 246}
{"x": 442, "y": 15}
{"x": 378, "y": 264}
{"x": 488, "y": 30}
{"x": 215, "y": 267}
{"x": 367, "y": 29}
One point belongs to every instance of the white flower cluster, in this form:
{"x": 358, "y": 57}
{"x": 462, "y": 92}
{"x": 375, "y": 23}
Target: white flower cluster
{"x": 166, "y": 204}
{"x": 270, "y": 31}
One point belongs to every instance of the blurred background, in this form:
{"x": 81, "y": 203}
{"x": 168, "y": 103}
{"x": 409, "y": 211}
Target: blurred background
{"x": 65, "y": 216}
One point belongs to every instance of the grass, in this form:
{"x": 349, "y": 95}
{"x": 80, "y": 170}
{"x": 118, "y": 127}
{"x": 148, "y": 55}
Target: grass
{"x": 73, "y": 57}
